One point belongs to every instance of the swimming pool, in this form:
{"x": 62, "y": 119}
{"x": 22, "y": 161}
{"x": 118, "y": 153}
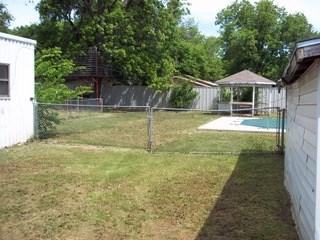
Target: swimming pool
{"x": 261, "y": 122}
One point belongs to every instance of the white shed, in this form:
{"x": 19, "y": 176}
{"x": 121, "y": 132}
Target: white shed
{"x": 302, "y": 171}
{"x": 16, "y": 89}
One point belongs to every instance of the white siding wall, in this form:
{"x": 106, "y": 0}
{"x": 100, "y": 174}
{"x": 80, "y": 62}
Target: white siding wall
{"x": 301, "y": 149}
{"x": 16, "y": 112}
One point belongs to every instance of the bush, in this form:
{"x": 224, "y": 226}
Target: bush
{"x": 51, "y": 70}
{"x": 225, "y": 94}
{"x": 182, "y": 95}
{"x": 47, "y": 121}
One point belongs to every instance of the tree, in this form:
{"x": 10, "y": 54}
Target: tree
{"x": 137, "y": 47}
{"x": 5, "y": 18}
{"x": 196, "y": 54}
{"x": 140, "y": 47}
{"x": 260, "y": 36}
{"x": 51, "y": 71}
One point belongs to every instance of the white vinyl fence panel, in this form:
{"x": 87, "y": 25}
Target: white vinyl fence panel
{"x": 271, "y": 97}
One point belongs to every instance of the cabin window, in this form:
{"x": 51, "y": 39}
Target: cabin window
{"x": 4, "y": 80}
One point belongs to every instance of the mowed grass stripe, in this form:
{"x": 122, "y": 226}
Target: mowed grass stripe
{"x": 82, "y": 192}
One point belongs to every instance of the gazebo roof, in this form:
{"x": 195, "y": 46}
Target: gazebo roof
{"x": 245, "y": 78}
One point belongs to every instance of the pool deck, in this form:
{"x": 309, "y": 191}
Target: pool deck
{"x": 234, "y": 124}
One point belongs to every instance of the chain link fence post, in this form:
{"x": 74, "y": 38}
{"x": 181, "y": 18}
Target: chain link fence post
{"x": 283, "y": 117}
{"x": 278, "y": 130}
{"x": 150, "y": 129}
{"x": 101, "y": 103}
{"x": 78, "y": 104}
{"x": 35, "y": 120}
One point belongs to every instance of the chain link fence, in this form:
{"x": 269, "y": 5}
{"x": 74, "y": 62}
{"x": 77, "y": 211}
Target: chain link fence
{"x": 195, "y": 131}
{"x": 161, "y": 129}
{"x": 93, "y": 125}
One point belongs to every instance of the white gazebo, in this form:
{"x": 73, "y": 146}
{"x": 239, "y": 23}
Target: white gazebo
{"x": 243, "y": 79}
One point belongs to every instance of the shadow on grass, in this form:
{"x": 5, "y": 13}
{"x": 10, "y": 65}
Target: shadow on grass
{"x": 253, "y": 203}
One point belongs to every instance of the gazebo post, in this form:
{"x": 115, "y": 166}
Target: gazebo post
{"x": 231, "y": 101}
{"x": 270, "y": 97}
{"x": 253, "y": 98}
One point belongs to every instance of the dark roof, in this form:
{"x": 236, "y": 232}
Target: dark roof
{"x": 303, "y": 56}
{"x": 245, "y": 78}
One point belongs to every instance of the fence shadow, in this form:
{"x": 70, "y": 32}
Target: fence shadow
{"x": 253, "y": 203}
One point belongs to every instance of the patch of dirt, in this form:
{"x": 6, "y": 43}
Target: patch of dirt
{"x": 165, "y": 229}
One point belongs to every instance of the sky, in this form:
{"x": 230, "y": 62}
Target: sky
{"x": 202, "y": 11}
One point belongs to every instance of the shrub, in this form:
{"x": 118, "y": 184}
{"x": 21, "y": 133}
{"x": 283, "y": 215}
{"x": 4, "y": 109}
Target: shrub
{"x": 225, "y": 94}
{"x": 47, "y": 121}
{"x": 182, "y": 95}
{"x": 51, "y": 70}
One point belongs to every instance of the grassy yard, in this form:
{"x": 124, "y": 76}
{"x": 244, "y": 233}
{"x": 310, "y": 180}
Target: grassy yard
{"x": 77, "y": 192}
{"x": 172, "y": 132}
{"x": 73, "y": 186}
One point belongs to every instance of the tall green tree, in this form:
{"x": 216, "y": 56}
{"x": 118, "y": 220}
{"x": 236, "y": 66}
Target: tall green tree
{"x": 5, "y": 18}
{"x": 260, "y": 36}
{"x": 196, "y": 54}
{"x": 135, "y": 36}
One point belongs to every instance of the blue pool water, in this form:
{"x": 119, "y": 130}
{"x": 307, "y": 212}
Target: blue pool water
{"x": 261, "y": 122}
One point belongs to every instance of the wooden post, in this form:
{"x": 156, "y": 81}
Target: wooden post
{"x": 231, "y": 101}
{"x": 253, "y": 98}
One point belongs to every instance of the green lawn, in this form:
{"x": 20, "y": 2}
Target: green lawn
{"x": 73, "y": 187}
{"x": 172, "y": 132}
